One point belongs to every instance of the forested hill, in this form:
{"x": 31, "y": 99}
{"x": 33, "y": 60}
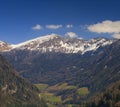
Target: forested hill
{"x": 16, "y": 91}
{"x": 109, "y": 98}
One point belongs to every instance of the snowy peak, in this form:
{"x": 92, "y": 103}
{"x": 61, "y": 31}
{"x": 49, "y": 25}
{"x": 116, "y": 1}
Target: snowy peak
{"x": 36, "y": 41}
{"x": 56, "y": 43}
{"x": 94, "y": 44}
{"x": 4, "y": 46}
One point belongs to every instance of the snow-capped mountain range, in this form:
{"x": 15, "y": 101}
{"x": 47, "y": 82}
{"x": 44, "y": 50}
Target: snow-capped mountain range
{"x": 56, "y": 43}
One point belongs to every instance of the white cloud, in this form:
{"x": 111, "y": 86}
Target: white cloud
{"x": 71, "y": 35}
{"x": 53, "y": 26}
{"x": 69, "y": 26}
{"x": 37, "y": 27}
{"x": 109, "y": 27}
{"x": 106, "y": 27}
{"x": 117, "y": 36}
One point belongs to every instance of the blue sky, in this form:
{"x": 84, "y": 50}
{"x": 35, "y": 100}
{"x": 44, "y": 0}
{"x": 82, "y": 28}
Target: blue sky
{"x": 21, "y": 20}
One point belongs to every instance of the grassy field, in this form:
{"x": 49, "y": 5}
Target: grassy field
{"x": 61, "y": 86}
{"x": 41, "y": 86}
{"x": 83, "y": 91}
{"x": 49, "y": 97}
{"x": 48, "y": 93}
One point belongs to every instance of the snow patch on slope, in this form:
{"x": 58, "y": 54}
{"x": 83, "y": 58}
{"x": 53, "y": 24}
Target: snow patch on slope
{"x": 38, "y": 40}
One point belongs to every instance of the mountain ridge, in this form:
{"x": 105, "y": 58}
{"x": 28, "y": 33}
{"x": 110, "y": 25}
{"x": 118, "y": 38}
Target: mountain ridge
{"x": 56, "y": 43}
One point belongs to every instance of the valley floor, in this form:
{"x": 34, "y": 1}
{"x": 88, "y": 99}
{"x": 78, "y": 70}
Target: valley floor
{"x": 62, "y": 94}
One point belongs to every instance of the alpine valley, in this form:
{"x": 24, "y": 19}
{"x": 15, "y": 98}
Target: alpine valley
{"x": 69, "y": 72}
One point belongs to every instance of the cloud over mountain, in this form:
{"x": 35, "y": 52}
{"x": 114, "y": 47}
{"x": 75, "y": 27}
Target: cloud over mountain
{"x": 71, "y": 35}
{"x": 109, "y": 27}
{"x": 53, "y": 26}
{"x": 117, "y": 35}
{"x": 37, "y": 27}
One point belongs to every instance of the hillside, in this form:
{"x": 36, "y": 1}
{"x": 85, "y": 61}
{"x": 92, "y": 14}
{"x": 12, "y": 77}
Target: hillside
{"x": 109, "y": 98}
{"x": 16, "y": 91}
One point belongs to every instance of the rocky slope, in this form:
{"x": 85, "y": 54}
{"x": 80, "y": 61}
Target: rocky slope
{"x": 16, "y": 91}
